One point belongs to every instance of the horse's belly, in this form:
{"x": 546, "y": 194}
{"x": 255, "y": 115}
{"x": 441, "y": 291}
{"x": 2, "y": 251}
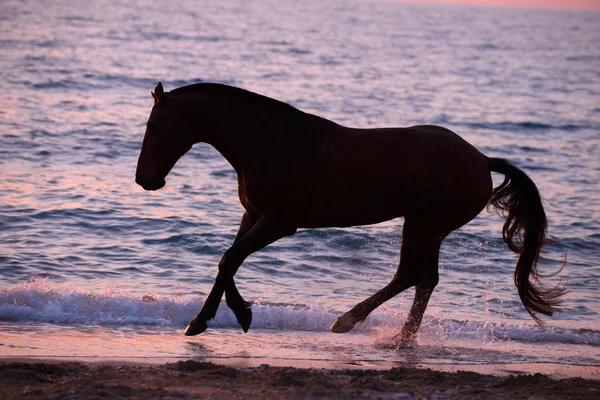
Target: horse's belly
{"x": 343, "y": 220}
{"x": 351, "y": 207}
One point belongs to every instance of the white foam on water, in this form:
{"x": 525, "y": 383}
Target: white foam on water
{"x": 38, "y": 301}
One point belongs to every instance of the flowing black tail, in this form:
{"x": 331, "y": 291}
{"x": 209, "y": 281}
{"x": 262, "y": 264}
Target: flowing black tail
{"x": 524, "y": 231}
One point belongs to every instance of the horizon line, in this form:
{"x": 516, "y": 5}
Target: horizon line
{"x": 575, "y": 5}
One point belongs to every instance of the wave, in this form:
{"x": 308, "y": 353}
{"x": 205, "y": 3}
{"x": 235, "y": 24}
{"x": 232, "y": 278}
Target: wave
{"x": 526, "y": 126}
{"x": 37, "y": 301}
{"x": 515, "y": 127}
{"x": 66, "y": 84}
{"x": 169, "y": 36}
{"x": 99, "y": 81}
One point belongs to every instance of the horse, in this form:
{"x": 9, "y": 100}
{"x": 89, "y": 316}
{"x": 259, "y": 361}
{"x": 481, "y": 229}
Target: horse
{"x": 298, "y": 170}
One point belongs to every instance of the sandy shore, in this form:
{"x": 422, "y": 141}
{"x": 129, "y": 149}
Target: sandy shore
{"x": 190, "y": 380}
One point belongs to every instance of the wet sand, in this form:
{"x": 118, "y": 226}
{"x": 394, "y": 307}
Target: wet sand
{"x": 190, "y": 379}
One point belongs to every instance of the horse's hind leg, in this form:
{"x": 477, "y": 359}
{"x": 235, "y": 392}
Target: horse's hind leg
{"x": 413, "y": 322}
{"x": 418, "y": 267}
{"x": 423, "y": 292}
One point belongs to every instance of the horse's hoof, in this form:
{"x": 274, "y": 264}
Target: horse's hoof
{"x": 195, "y": 328}
{"x": 405, "y": 339}
{"x": 343, "y": 324}
{"x": 244, "y": 316}
{"x": 402, "y": 342}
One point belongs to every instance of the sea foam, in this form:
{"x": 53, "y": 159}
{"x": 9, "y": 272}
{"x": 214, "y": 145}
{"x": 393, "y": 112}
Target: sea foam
{"x": 38, "y": 301}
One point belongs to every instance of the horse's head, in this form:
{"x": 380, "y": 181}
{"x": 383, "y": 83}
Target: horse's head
{"x": 167, "y": 138}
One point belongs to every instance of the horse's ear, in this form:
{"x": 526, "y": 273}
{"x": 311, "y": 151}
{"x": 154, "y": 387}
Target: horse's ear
{"x": 158, "y": 93}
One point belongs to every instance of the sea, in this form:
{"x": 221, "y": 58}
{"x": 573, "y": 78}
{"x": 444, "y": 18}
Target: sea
{"x": 94, "y": 268}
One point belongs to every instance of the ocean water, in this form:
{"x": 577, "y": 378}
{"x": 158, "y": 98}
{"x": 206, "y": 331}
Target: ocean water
{"x": 93, "y": 267}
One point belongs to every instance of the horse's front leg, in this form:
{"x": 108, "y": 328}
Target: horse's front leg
{"x": 235, "y": 301}
{"x": 264, "y": 232}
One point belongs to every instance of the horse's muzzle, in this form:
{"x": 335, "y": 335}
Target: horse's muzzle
{"x": 150, "y": 184}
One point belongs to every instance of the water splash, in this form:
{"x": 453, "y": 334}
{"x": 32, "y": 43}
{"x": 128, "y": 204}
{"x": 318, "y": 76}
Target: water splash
{"x": 39, "y": 301}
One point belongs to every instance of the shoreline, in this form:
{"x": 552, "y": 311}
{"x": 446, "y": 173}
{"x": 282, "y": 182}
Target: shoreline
{"x": 554, "y": 371}
{"x": 56, "y": 379}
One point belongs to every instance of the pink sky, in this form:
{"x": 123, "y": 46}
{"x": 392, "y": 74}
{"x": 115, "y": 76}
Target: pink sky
{"x": 573, "y": 4}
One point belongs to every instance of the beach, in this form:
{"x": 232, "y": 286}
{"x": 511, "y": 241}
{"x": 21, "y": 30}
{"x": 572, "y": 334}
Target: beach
{"x": 99, "y": 278}
{"x": 49, "y": 379}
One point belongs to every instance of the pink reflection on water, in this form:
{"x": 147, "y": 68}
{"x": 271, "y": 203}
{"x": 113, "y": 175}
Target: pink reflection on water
{"x": 572, "y": 4}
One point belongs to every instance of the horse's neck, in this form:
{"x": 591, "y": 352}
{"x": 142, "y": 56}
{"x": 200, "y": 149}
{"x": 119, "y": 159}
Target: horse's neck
{"x": 240, "y": 128}
{"x": 232, "y": 129}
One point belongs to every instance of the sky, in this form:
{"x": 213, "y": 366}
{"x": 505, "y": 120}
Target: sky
{"x": 572, "y": 4}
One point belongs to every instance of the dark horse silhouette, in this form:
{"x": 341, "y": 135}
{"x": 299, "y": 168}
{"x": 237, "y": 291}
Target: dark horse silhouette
{"x": 297, "y": 170}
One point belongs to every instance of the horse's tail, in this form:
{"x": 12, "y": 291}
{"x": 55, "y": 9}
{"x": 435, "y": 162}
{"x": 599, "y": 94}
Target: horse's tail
{"x": 524, "y": 231}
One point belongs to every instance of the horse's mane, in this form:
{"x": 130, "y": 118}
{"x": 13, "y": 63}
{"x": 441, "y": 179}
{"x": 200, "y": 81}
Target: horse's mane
{"x": 245, "y": 95}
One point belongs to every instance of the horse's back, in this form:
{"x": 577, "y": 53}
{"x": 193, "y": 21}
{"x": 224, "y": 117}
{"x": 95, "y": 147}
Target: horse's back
{"x": 337, "y": 176}
{"x": 420, "y": 170}
{"x": 415, "y": 159}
